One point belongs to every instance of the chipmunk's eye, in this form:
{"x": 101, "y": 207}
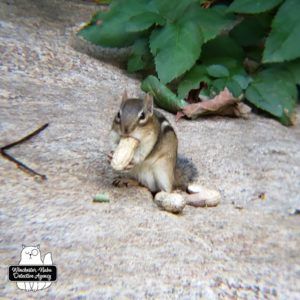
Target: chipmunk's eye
{"x": 142, "y": 116}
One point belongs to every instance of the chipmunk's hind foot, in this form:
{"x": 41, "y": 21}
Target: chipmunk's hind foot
{"x": 125, "y": 182}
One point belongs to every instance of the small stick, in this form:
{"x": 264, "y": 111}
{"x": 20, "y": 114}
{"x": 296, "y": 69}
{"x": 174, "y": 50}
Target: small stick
{"x": 25, "y": 138}
{"x": 21, "y": 165}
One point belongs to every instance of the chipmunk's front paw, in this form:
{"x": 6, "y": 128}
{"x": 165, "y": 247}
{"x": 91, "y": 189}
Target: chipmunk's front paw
{"x": 129, "y": 166}
{"x": 125, "y": 182}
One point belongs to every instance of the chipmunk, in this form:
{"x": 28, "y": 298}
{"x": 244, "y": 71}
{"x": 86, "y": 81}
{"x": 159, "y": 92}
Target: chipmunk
{"x": 155, "y": 163}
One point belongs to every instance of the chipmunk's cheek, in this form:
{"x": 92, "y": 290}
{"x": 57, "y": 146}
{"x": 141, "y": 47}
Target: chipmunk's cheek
{"x": 136, "y": 159}
{"x": 138, "y": 134}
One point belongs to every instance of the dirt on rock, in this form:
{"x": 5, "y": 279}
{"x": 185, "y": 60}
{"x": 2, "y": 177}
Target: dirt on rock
{"x": 246, "y": 248}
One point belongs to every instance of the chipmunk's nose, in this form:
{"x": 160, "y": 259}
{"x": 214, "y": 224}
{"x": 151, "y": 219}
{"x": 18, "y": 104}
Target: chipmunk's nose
{"x": 125, "y": 130}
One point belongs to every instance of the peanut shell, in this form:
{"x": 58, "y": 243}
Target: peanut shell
{"x": 171, "y": 202}
{"x": 124, "y": 153}
{"x": 202, "y": 197}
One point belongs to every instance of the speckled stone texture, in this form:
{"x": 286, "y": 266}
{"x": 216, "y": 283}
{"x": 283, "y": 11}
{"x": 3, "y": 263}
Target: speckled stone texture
{"x": 246, "y": 248}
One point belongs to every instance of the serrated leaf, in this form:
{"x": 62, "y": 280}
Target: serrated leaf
{"x": 192, "y": 80}
{"x": 217, "y": 71}
{"x": 274, "y": 91}
{"x": 144, "y": 21}
{"x": 107, "y": 29}
{"x": 140, "y": 57}
{"x": 283, "y": 41}
{"x": 171, "y": 10}
{"x": 163, "y": 97}
{"x": 253, "y": 7}
{"x": 175, "y": 48}
{"x": 211, "y": 21}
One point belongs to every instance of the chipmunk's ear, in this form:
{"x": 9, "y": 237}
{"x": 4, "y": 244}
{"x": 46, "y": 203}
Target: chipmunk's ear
{"x": 124, "y": 96}
{"x": 148, "y": 104}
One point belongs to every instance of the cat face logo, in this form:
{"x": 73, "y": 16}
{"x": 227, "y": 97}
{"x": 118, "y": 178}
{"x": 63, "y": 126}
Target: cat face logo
{"x": 33, "y": 272}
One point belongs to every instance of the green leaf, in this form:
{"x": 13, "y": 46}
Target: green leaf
{"x": 171, "y": 9}
{"x": 107, "y": 28}
{"x": 283, "y": 42}
{"x": 219, "y": 84}
{"x": 236, "y": 82}
{"x": 192, "y": 80}
{"x": 242, "y": 80}
{"x": 253, "y": 6}
{"x": 163, "y": 97}
{"x": 224, "y": 58}
{"x": 175, "y": 48}
{"x": 143, "y": 21}
{"x": 236, "y": 79}
{"x": 294, "y": 68}
{"x": 217, "y": 71}
{"x": 273, "y": 90}
{"x": 252, "y": 30}
{"x": 211, "y": 21}
{"x": 140, "y": 57}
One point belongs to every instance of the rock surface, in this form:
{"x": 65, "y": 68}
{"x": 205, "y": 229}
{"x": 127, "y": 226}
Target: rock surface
{"x": 128, "y": 248}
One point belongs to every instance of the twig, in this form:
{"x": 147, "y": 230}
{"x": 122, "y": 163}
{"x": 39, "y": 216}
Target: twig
{"x": 21, "y": 165}
{"x": 25, "y": 138}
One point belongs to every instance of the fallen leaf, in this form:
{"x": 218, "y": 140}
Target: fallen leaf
{"x": 224, "y": 104}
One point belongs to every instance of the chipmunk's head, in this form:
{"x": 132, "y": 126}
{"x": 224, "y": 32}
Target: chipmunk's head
{"x": 133, "y": 113}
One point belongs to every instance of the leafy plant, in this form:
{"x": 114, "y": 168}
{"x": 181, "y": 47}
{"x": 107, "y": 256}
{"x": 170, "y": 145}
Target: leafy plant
{"x": 250, "y": 47}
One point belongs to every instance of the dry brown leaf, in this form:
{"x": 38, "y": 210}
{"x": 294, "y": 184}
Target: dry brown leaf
{"x": 224, "y": 104}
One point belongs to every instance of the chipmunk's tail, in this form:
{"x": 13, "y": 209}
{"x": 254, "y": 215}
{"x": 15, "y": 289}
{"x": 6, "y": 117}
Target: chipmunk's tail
{"x": 185, "y": 172}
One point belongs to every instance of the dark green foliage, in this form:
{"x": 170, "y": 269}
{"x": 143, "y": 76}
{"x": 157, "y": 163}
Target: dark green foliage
{"x": 192, "y": 80}
{"x": 140, "y": 57}
{"x": 283, "y": 41}
{"x": 249, "y": 46}
{"x": 253, "y": 6}
{"x": 175, "y": 49}
{"x": 274, "y": 90}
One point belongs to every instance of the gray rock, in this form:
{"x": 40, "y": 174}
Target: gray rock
{"x": 128, "y": 248}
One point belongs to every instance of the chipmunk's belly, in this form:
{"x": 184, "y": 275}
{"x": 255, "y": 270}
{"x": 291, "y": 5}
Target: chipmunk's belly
{"x": 145, "y": 175}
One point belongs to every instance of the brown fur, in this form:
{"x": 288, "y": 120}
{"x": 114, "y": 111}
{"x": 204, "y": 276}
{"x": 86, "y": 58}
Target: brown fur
{"x": 154, "y": 162}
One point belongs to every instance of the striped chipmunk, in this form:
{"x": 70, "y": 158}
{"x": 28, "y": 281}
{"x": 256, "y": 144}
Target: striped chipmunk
{"x": 155, "y": 163}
